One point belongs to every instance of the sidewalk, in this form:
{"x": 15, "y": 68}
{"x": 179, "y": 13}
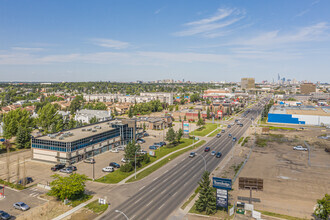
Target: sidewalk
{"x": 70, "y": 212}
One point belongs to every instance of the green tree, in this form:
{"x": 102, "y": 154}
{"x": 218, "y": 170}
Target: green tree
{"x": 70, "y": 187}
{"x": 207, "y": 198}
{"x": 93, "y": 120}
{"x": 115, "y": 111}
{"x": 322, "y": 209}
{"x": 208, "y": 115}
{"x": 130, "y": 150}
{"x": 72, "y": 123}
{"x": 199, "y": 115}
{"x": 76, "y": 104}
{"x": 185, "y": 118}
{"x": 130, "y": 112}
{"x": 170, "y": 108}
{"x": 170, "y": 135}
{"x": 200, "y": 122}
{"x": 49, "y": 119}
{"x": 176, "y": 107}
{"x": 23, "y": 137}
{"x": 179, "y": 135}
{"x": 15, "y": 119}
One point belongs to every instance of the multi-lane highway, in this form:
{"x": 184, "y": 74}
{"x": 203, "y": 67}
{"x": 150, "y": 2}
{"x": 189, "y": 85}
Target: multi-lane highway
{"x": 162, "y": 196}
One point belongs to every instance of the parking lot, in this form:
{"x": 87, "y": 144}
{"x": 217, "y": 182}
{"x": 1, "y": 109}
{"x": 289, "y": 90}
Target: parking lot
{"x": 28, "y": 196}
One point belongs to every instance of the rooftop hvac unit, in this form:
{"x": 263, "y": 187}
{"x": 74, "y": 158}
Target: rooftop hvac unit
{"x": 61, "y": 138}
{"x": 89, "y": 129}
{"x": 83, "y": 129}
{"x": 93, "y": 130}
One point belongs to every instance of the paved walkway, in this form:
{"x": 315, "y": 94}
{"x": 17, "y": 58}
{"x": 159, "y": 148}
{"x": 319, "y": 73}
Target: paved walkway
{"x": 70, "y": 212}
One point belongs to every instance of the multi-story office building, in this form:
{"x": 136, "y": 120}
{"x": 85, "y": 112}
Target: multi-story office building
{"x": 247, "y": 83}
{"x": 74, "y": 145}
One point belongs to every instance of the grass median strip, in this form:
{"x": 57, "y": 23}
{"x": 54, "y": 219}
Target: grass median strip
{"x": 280, "y": 215}
{"x": 158, "y": 165}
{"x": 96, "y": 207}
{"x": 117, "y": 176}
{"x": 204, "y": 130}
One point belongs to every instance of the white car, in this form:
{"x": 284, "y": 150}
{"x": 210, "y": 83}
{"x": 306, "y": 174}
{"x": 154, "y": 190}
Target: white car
{"x": 108, "y": 169}
{"x": 124, "y": 160}
{"x": 300, "y": 148}
{"x": 114, "y": 150}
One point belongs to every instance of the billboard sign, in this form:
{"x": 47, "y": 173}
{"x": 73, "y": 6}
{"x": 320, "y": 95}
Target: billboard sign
{"x": 185, "y": 127}
{"x": 251, "y": 183}
{"x": 222, "y": 183}
{"x": 222, "y": 198}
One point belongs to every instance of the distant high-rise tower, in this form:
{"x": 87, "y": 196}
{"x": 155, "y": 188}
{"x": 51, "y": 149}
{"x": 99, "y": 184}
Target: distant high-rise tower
{"x": 278, "y": 77}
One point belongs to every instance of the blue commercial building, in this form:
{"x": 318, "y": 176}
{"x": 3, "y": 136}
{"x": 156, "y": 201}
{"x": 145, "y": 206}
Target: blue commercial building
{"x": 300, "y": 115}
{"x": 74, "y": 145}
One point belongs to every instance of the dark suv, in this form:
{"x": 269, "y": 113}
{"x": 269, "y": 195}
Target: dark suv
{"x": 207, "y": 149}
{"x": 25, "y": 181}
{"x": 57, "y": 167}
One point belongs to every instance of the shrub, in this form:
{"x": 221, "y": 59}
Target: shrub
{"x": 126, "y": 167}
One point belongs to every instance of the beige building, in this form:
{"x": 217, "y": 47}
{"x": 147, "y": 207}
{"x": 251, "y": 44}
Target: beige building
{"x": 247, "y": 83}
{"x": 307, "y": 88}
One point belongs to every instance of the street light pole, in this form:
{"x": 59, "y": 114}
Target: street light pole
{"x": 93, "y": 166}
{"x": 122, "y": 214}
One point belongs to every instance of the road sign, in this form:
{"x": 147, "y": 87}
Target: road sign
{"x": 185, "y": 126}
{"x": 222, "y": 183}
{"x": 256, "y": 215}
{"x": 231, "y": 211}
{"x": 222, "y": 198}
{"x": 102, "y": 201}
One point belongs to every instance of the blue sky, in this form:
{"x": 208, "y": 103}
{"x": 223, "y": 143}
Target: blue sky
{"x": 120, "y": 40}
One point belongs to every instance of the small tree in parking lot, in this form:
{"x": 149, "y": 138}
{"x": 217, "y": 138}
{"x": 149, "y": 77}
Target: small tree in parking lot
{"x": 70, "y": 187}
{"x": 322, "y": 208}
{"x": 170, "y": 135}
{"x": 130, "y": 150}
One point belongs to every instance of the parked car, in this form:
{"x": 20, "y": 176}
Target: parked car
{"x": 21, "y": 206}
{"x": 229, "y": 135}
{"x": 207, "y": 149}
{"x": 236, "y": 120}
{"x": 4, "y": 215}
{"x": 223, "y": 131}
{"x": 57, "y": 167}
{"x": 114, "y": 150}
{"x": 158, "y": 144}
{"x": 219, "y": 154}
{"x": 234, "y": 139}
{"x": 140, "y": 141}
{"x": 25, "y": 181}
{"x": 163, "y": 143}
{"x": 241, "y": 125}
{"x": 66, "y": 170}
{"x": 213, "y": 153}
{"x": 142, "y": 152}
{"x": 218, "y": 135}
{"x": 300, "y": 148}
{"x": 229, "y": 126}
{"x": 192, "y": 154}
{"x": 152, "y": 147}
{"x": 89, "y": 160}
{"x": 73, "y": 168}
{"x": 114, "y": 164}
{"x": 146, "y": 134}
{"x": 124, "y": 160}
{"x": 108, "y": 169}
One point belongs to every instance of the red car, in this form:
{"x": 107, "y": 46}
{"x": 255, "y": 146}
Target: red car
{"x": 207, "y": 149}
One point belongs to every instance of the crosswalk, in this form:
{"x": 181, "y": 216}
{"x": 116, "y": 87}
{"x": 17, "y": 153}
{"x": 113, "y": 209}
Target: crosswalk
{"x": 34, "y": 192}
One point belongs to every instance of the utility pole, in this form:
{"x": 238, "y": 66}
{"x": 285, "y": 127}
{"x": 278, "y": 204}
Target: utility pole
{"x": 7, "y": 144}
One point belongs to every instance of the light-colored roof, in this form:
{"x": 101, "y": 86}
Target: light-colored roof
{"x": 300, "y": 110}
{"x": 78, "y": 134}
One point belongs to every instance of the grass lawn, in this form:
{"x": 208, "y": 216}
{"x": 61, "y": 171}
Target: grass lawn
{"x": 96, "y": 207}
{"x": 12, "y": 185}
{"x": 158, "y": 165}
{"x": 280, "y": 215}
{"x": 190, "y": 198}
{"x": 221, "y": 214}
{"x": 84, "y": 198}
{"x": 204, "y": 130}
{"x": 117, "y": 176}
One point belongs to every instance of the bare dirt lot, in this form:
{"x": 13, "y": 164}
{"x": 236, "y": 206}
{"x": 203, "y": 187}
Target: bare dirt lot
{"x": 291, "y": 185}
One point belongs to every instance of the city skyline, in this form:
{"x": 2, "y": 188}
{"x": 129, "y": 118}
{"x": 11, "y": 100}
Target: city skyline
{"x": 125, "y": 41}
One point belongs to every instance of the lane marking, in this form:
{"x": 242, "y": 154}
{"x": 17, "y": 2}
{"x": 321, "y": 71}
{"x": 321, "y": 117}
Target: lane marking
{"x": 155, "y": 178}
{"x": 161, "y": 206}
{"x": 165, "y": 171}
{"x": 142, "y": 188}
{"x": 149, "y": 203}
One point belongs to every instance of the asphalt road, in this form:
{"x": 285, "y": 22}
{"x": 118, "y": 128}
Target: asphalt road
{"x": 162, "y": 196}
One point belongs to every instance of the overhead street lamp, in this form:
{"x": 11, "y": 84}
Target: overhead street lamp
{"x": 135, "y": 162}
{"x": 122, "y": 214}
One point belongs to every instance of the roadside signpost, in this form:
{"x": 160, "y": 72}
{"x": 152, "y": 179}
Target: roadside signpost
{"x": 247, "y": 183}
{"x": 222, "y": 185}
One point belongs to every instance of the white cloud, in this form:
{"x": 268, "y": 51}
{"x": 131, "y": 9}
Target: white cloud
{"x": 317, "y": 32}
{"x": 109, "y": 43}
{"x": 213, "y": 26}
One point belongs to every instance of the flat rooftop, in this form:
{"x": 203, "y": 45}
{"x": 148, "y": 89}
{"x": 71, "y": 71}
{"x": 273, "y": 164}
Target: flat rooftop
{"x": 81, "y": 132}
{"x": 300, "y": 110}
